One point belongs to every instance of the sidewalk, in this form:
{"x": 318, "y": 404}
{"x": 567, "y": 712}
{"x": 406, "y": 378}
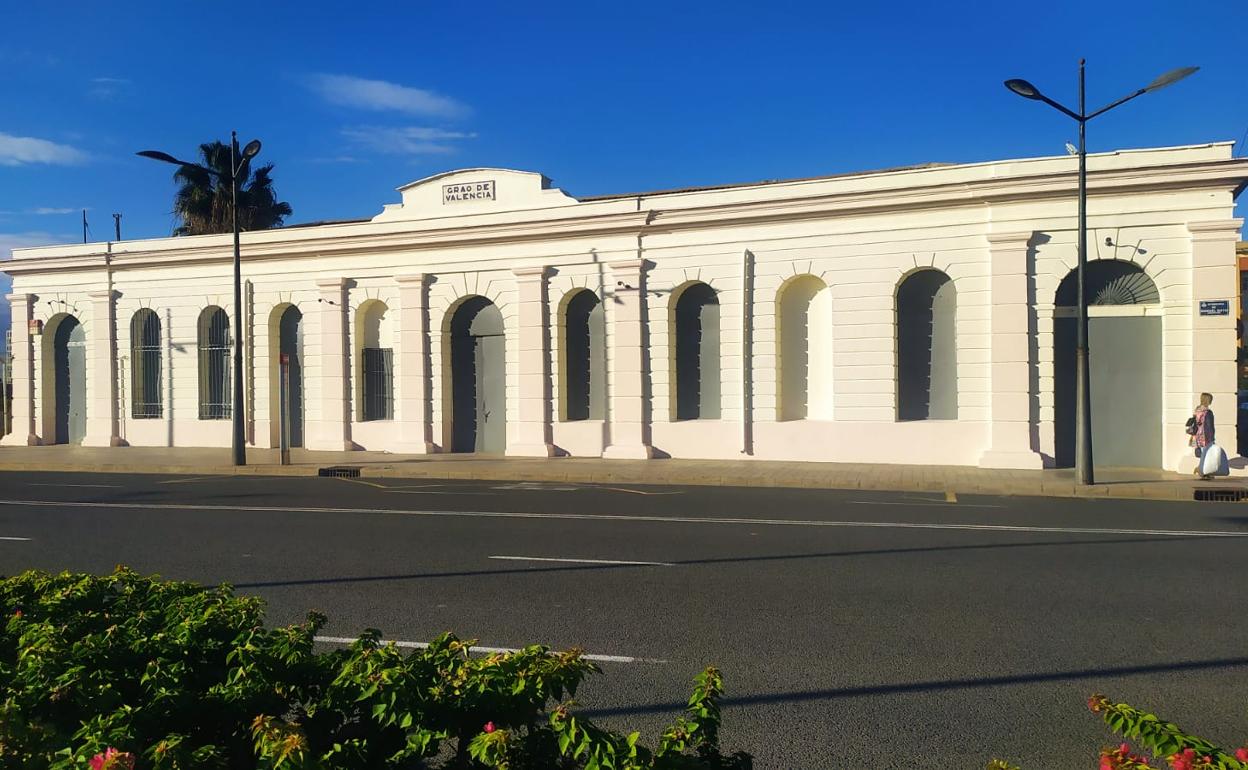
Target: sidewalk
{"x": 1115, "y": 483}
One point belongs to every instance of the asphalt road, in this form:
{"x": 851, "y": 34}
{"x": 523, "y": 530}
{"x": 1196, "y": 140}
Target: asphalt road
{"x": 854, "y": 629}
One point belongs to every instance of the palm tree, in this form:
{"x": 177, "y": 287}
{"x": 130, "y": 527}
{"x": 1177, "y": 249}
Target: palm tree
{"x": 203, "y": 199}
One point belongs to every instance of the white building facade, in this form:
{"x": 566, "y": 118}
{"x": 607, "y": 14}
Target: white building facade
{"x": 918, "y": 315}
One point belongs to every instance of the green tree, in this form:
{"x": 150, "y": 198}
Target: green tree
{"x": 203, "y": 200}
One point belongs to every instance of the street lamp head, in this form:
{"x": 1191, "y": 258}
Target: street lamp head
{"x": 1170, "y": 78}
{"x": 252, "y": 149}
{"x": 1023, "y": 88}
{"x": 158, "y": 155}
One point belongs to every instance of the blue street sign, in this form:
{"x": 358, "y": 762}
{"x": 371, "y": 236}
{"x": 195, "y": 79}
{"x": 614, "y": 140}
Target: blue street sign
{"x": 1215, "y": 307}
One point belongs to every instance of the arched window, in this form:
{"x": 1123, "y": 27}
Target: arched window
{"x": 805, "y": 361}
{"x": 584, "y": 383}
{"x": 214, "y": 364}
{"x": 145, "y": 365}
{"x": 375, "y": 361}
{"x": 696, "y": 335}
{"x": 927, "y": 363}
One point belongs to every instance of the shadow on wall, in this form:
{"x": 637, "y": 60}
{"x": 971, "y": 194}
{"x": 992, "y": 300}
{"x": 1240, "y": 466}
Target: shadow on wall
{"x": 1033, "y": 351}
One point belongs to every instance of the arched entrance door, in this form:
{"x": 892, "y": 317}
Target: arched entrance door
{"x": 290, "y": 343}
{"x": 478, "y": 378}
{"x": 69, "y": 385}
{"x": 1124, "y": 366}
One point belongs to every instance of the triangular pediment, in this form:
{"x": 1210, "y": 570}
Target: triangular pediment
{"x": 474, "y": 191}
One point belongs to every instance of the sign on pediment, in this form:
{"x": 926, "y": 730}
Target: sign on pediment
{"x": 468, "y": 191}
{"x": 473, "y": 191}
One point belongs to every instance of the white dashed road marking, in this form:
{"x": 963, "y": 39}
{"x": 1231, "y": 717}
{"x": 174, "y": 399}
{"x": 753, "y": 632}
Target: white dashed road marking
{"x": 503, "y": 650}
{"x": 640, "y": 518}
{"x": 18, "y": 539}
{"x": 583, "y": 561}
{"x": 84, "y": 486}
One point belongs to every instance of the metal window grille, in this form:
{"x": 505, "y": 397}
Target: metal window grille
{"x": 214, "y": 366}
{"x": 145, "y": 365}
{"x": 378, "y": 384}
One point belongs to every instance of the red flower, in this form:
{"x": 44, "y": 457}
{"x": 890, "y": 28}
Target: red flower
{"x": 17, "y": 614}
{"x": 489, "y": 727}
{"x": 1242, "y": 754}
{"x": 112, "y": 759}
{"x": 1184, "y": 761}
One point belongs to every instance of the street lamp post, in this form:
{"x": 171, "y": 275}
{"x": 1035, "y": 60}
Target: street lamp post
{"x": 1083, "y": 406}
{"x": 237, "y": 162}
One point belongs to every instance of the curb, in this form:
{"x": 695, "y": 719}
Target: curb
{"x": 1176, "y": 490}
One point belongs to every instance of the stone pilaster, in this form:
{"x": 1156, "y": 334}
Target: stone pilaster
{"x": 102, "y": 422}
{"x": 1215, "y": 276}
{"x": 1010, "y": 355}
{"x": 530, "y": 434}
{"x": 415, "y": 392}
{"x": 23, "y": 351}
{"x": 332, "y": 431}
{"x": 628, "y": 376}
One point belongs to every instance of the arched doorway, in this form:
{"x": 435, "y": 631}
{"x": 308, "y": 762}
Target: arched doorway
{"x": 478, "y": 378}
{"x": 287, "y": 339}
{"x": 927, "y": 351}
{"x": 583, "y": 365}
{"x": 65, "y": 399}
{"x": 804, "y": 368}
{"x": 695, "y": 329}
{"x": 1124, "y": 366}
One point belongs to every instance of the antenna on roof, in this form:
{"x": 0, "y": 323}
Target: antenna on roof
{"x": 117, "y": 225}
{"x": 84, "y": 225}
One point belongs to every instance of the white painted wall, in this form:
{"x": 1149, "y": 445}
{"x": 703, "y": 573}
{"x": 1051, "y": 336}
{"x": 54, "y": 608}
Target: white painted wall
{"x": 859, "y": 235}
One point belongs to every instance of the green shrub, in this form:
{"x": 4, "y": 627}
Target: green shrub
{"x": 173, "y": 675}
{"x": 1166, "y": 741}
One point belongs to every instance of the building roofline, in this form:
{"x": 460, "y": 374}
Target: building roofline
{"x": 918, "y": 167}
{"x": 441, "y": 174}
{"x": 694, "y": 210}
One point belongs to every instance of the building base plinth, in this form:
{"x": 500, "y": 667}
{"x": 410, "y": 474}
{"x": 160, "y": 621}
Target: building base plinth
{"x": 418, "y": 448}
{"x": 16, "y": 439}
{"x": 530, "y": 450}
{"x": 629, "y": 452}
{"x": 1025, "y": 460}
{"x": 98, "y": 440}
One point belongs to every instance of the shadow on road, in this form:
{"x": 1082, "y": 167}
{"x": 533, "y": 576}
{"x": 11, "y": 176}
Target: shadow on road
{"x": 704, "y": 562}
{"x": 930, "y": 686}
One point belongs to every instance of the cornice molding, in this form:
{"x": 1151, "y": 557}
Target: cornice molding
{"x": 1216, "y": 230}
{"x": 1019, "y": 238}
{"x": 531, "y": 273}
{"x": 416, "y": 235}
{"x": 630, "y": 265}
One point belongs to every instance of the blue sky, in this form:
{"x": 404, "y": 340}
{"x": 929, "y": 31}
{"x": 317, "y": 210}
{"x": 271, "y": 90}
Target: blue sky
{"x": 601, "y": 97}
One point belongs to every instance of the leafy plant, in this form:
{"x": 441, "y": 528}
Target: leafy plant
{"x": 203, "y": 201}
{"x": 123, "y": 671}
{"x": 1165, "y": 740}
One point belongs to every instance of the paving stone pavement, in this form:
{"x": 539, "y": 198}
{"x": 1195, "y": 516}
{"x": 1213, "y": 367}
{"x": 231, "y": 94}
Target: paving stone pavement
{"x": 1115, "y": 483}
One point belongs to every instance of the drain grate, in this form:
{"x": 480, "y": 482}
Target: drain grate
{"x": 340, "y": 472}
{"x": 1220, "y": 495}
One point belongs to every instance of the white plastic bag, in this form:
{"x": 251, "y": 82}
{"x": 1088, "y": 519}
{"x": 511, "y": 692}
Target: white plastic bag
{"x": 1213, "y": 462}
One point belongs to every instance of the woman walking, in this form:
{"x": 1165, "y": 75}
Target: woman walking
{"x": 1201, "y": 429}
